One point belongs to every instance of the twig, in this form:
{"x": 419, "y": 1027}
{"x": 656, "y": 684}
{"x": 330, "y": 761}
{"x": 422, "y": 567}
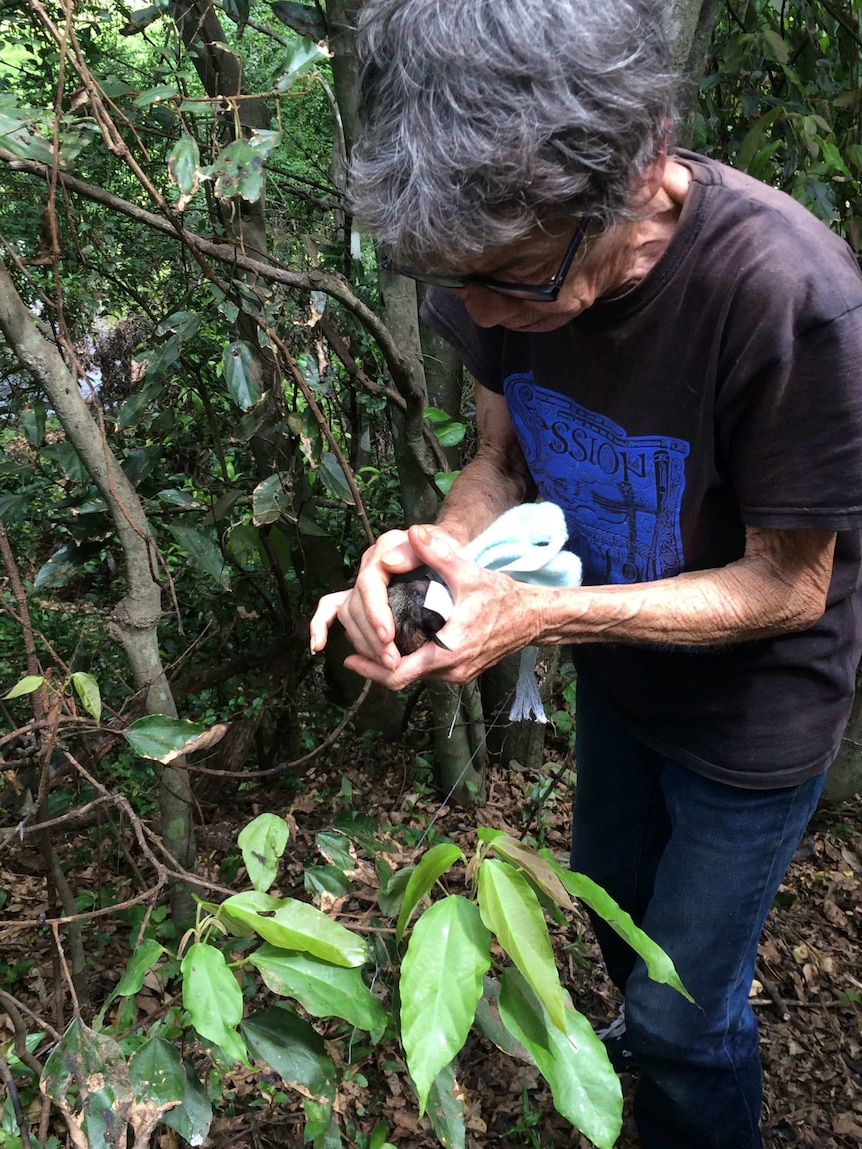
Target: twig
{"x": 12, "y": 1092}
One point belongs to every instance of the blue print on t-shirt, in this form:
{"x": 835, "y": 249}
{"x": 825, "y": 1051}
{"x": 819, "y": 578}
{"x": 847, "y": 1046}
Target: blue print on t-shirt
{"x": 621, "y": 495}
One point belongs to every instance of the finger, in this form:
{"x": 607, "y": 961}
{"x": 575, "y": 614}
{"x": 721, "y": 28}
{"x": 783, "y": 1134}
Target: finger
{"x": 323, "y": 618}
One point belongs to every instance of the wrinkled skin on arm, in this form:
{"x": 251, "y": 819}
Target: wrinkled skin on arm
{"x": 780, "y": 584}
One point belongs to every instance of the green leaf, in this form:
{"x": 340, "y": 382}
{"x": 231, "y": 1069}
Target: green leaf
{"x": 333, "y": 478}
{"x": 203, "y": 551}
{"x": 33, "y": 423}
{"x": 659, "y": 966}
{"x": 335, "y": 848}
{"x": 489, "y": 1023}
{"x": 272, "y": 499}
{"x": 574, "y": 1062}
{"x": 446, "y": 1109}
{"x": 443, "y": 481}
{"x": 262, "y": 843}
{"x": 87, "y": 1077}
{"x": 156, "y": 95}
{"x": 64, "y": 564}
{"x": 157, "y": 1074}
{"x": 193, "y": 1117}
{"x": 778, "y": 45}
{"x": 441, "y": 983}
{"x": 431, "y": 866}
{"x": 537, "y": 868}
{"x": 299, "y": 59}
{"x": 293, "y": 1049}
{"x": 213, "y": 998}
{"x": 161, "y": 738}
{"x": 323, "y": 989}
{"x": 142, "y": 960}
{"x": 87, "y": 689}
{"x": 238, "y": 363}
{"x": 302, "y": 18}
{"x": 183, "y": 164}
{"x": 511, "y": 910}
{"x": 294, "y": 925}
{"x": 26, "y": 685}
{"x": 317, "y": 880}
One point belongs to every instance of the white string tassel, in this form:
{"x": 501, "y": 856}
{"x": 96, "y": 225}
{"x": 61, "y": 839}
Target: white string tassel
{"x": 528, "y": 701}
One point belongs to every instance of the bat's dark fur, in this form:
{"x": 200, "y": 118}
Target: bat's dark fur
{"x": 415, "y": 624}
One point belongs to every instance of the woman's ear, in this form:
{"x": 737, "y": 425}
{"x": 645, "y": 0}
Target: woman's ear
{"x": 649, "y": 186}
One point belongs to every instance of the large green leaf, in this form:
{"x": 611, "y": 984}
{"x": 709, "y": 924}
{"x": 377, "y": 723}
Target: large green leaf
{"x": 238, "y": 363}
{"x": 435, "y": 862}
{"x": 511, "y": 910}
{"x": 213, "y": 998}
{"x": 574, "y": 1062}
{"x": 142, "y": 960}
{"x": 87, "y": 689}
{"x": 659, "y": 966}
{"x": 162, "y": 738}
{"x": 293, "y": 925}
{"x": 262, "y": 843}
{"x": 193, "y": 1117}
{"x": 441, "y": 983}
{"x": 323, "y": 989}
{"x": 293, "y": 1049}
{"x": 157, "y": 1074}
{"x": 201, "y": 547}
{"x": 87, "y": 1077}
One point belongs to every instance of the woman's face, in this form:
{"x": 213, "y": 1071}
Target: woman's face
{"x": 598, "y": 269}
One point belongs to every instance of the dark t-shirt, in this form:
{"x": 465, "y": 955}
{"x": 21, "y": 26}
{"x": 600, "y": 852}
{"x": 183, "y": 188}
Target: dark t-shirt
{"x": 725, "y": 390}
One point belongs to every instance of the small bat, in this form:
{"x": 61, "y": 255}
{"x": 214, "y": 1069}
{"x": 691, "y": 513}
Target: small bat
{"x": 415, "y": 624}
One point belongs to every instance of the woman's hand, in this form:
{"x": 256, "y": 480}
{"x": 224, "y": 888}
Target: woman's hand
{"x": 492, "y": 614}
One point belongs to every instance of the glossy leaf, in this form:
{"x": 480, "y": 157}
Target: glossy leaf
{"x": 574, "y": 1062}
{"x": 238, "y": 362}
{"x": 161, "y": 738}
{"x": 213, "y": 998}
{"x": 87, "y": 689}
{"x": 428, "y": 869}
{"x": 139, "y": 964}
{"x": 322, "y": 989}
{"x": 262, "y": 843}
{"x": 659, "y": 966}
{"x": 511, "y": 910}
{"x": 293, "y": 925}
{"x": 293, "y": 1049}
{"x": 441, "y": 983}
{"x": 183, "y": 164}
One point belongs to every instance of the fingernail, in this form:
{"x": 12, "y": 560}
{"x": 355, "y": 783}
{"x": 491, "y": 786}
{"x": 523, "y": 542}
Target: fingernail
{"x": 440, "y": 546}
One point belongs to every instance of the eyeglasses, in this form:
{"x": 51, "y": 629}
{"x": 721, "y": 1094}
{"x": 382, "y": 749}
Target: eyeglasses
{"x": 539, "y": 292}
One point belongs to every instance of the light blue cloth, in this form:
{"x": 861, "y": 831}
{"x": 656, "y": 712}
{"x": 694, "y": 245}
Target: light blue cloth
{"x": 527, "y": 544}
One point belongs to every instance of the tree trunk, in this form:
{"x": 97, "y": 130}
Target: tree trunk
{"x": 134, "y": 621}
{"x": 692, "y": 23}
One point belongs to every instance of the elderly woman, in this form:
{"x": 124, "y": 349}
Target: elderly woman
{"x": 671, "y": 352}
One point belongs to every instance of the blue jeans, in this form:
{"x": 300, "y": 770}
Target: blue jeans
{"x": 697, "y": 864}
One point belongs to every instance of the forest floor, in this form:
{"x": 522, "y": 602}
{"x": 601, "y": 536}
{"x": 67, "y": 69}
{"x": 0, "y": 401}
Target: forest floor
{"x": 808, "y": 995}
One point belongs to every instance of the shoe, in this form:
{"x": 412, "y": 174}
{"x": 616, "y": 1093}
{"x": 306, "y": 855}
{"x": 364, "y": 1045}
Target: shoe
{"x": 615, "y": 1041}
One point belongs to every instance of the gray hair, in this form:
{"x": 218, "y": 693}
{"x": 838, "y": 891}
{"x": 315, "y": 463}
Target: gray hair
{"x": 484, "y": 119}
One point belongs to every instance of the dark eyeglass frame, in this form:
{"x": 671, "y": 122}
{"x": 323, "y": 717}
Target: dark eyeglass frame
{"x": 538, "y": 292}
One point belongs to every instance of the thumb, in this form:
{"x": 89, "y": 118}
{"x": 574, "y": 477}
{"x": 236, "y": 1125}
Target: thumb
{"x": 435, "y": 549}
